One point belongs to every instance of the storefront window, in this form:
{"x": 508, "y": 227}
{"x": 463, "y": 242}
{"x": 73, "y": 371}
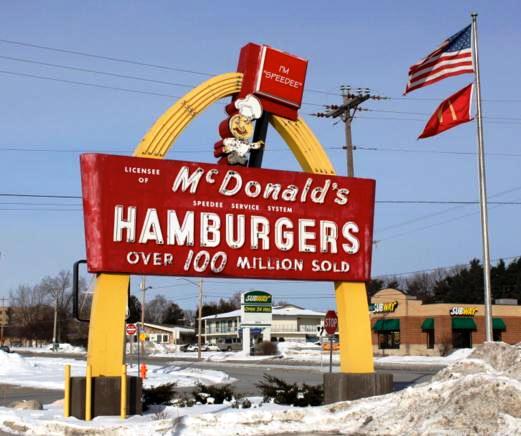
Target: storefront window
{"x": 496, "y": 334}
{"x": 389, "y": 340}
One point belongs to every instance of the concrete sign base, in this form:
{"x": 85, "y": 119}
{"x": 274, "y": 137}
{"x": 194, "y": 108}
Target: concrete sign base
{"x": 348, "y": 387}
{"x": 105, "y": 396}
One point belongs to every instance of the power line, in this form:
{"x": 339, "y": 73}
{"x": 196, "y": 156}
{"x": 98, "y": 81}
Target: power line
{"x": 50, "y": 149}
{"x": 201, "y": 73}
{"x": 106, "y": 58}
{"x": 497, "y": 259}
{"x": 411, "y": 150}
{"x": 104, "y": 73}
{"x": 377, "y": 201}
{"x": 93, "y": 85}
{"x": 112, "y": 88}
{"x": 428, "y": 216}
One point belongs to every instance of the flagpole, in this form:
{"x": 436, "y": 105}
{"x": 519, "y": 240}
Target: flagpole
{"x": 482, "y": 186}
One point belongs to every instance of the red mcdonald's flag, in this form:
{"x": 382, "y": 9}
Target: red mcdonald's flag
{"x": 451, "y": 112}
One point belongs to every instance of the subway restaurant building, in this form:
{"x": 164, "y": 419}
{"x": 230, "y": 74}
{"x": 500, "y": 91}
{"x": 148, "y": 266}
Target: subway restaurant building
{"x": 402, "y": 324}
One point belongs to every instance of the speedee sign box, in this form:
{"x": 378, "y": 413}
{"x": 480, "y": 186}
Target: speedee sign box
{"x": 161, "y": 217}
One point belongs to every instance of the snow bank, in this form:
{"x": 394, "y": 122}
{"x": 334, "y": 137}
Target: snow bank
{"x": 480, "y": 394}
{"x": 62, "y": 348}
{"x": 305, "y": 352}
{"x": 48, "y": 372}
{"x": 12, "y": 362}
{"x": 185, "y": 377}
{"x": 426, "y": 360}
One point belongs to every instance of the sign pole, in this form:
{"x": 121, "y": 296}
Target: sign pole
{"x": 330, "y": 353}
{"x": 482, "y": 187}
{"x": 138, "y": 338}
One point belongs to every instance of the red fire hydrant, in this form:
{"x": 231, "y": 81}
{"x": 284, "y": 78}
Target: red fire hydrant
{"x": 143, "y": 371}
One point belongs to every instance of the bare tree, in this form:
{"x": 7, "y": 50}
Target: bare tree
{"x": 57, "y": 288}
{"x": 155, "y": 310}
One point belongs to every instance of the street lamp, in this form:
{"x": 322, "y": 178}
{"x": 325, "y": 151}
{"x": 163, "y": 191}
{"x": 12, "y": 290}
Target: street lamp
{"x": 200, "y": 314}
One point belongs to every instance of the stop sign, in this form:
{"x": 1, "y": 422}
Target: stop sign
{"x": 331, "y": 322}
{"x": 131, "y": 329}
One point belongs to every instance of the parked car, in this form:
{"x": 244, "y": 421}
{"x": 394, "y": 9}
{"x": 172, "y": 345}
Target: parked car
{"x": 184, "y": 347}
{"x": 5, "y": 348}
{"x": 230, "y": 344}
{"x": 195, "y": 347}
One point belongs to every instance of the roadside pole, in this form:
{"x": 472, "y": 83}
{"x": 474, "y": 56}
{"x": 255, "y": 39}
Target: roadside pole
{"x": 330, "y": 353}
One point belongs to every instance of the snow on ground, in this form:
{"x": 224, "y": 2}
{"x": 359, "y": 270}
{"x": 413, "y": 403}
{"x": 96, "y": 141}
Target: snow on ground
{"x": 62, "y": 348}
{"x": 429, "y": 360}
{"x": 310, "y": 353}
{"x": 306, "y": 352}
{"x": 479, "y": 394}
{"x": 48, "y": 372}
{"x": 211, "y": 356}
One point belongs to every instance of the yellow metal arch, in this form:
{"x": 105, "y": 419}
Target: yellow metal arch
{"x": 110, "y": 297}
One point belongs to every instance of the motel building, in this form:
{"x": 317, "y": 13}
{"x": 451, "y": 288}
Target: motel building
{"x": 402, "y": 324}
{"x": 289, "y": 323}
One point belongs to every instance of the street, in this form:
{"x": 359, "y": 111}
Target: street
{"x": 248, "y": 374}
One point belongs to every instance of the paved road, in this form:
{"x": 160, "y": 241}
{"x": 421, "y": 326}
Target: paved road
{"x": 10, "y": 393}
{"x": 247, "y": 375}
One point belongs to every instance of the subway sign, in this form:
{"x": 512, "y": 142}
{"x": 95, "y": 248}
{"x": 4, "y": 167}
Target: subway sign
{"x": 463, "y": 311}
{"x": 256, "y": 309}
{"x": 164, "y": 217}
{"x": 383, "y": 307}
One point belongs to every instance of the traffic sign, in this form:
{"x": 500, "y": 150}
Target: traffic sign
{"x": 131, "y": 329}
{"x": 331, "y": 322}
{"x": 142, "y": 337}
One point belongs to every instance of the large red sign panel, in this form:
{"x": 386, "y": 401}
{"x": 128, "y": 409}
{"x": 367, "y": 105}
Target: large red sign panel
{"x": 281, "y": 76}
{"x": 275, "y": 76}
{"x": 163, "y": 217}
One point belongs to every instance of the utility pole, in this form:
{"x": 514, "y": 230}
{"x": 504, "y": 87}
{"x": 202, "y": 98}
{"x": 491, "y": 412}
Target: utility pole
{"x": 199, "y": 322}
{"x": 54, "y": 329}
{"x": 3, "y": 319}
{"x": 346, "y": 112}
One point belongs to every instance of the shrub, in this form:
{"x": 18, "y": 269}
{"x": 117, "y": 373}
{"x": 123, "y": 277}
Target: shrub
{"x": 218, "y": 393}
{"x": 266, "y": 348}
{"x": 291, "y": 394}
{"x": 158, "y": 395}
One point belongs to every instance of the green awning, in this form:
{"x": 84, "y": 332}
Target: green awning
{"x": 387, "y": 325}
{"x": 463, "y": 324}
{"x": 428, "y": 324}
{"x": 498, "y": 324}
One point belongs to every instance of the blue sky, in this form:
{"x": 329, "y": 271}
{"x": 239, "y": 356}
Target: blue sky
{"x": 363, "y": 44}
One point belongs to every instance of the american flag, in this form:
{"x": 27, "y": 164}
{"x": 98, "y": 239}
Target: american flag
{"x": 451, "y": 58}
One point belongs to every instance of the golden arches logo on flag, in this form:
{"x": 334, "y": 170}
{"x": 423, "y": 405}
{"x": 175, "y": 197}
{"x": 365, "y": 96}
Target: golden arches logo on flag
{"x": 451, "y": 112}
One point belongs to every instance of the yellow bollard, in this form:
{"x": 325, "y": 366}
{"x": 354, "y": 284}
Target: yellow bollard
{"x": 123, "y": 399}
{"x": 67, "y": 393}
{"x": 88, "y": 394}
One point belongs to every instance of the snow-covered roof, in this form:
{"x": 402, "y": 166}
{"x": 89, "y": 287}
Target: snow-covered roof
{"x": 284, "y": 310}
{"x": 170, "y": 328}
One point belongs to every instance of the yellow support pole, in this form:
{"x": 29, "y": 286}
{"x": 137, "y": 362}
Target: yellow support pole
{"x": 67, "y": 392}
{"x": 354, "y": 328}
{"x": 123, "y": 399}
{"x": 88, "y": 394}
{"x": 106, "y": 351}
